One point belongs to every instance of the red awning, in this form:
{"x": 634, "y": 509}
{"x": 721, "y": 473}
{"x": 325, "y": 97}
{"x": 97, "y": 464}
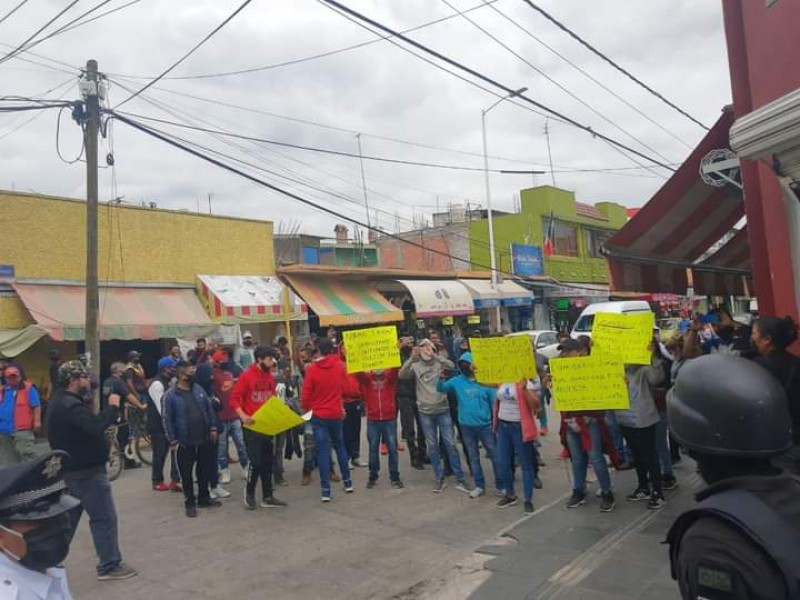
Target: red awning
{"x": 126, "y": 313}
{"x": 735, "y": 254}
{"x": 677, "y": 226}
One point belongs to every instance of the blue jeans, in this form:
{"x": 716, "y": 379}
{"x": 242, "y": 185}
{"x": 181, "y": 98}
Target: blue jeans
{"x": 509, "y": 444}
{"x": 471, "y": 436}
{"x": 232, "y": 429}
{"x": 94, "y": 492}
{"x": 327, "y": 433}
{"x": 580, "y": 459}
{"x": 662, "y": 445}
{"x": 616, "y": 436}
{"x": 433, "y": 426}
{"x": 385, "y": 431}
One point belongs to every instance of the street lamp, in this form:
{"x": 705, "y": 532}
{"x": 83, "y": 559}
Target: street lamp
{"x": 492, "y": 259}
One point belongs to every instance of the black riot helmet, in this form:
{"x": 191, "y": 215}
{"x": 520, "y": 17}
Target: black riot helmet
{"x": 727, "y": 406}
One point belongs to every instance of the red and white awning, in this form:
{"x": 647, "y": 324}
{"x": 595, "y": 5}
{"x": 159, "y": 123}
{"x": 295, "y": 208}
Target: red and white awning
{"x": 249, "y": 299}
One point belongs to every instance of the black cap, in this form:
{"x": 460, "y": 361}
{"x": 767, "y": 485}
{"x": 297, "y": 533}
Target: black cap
{"x": 325, "y": 346}
{"x": 34, "y": 490}
{"x": 134, "y": 354}
{"x": 570, "y": 345}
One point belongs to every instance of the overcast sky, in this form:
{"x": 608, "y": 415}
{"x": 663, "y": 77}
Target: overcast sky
{"x": 379, "y": 90}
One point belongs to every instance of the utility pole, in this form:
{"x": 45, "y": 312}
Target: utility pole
{"x": 91, "y": 93}
{"x": 363, "y": 180}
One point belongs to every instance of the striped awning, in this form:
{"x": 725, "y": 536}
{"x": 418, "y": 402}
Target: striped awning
{"x": 343, "y": 302}
{"x": 126, "y": 313}
{"x": 248, "y": 299}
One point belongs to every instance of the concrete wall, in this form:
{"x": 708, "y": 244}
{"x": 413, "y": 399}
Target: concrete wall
{"x": 445, "y": 249}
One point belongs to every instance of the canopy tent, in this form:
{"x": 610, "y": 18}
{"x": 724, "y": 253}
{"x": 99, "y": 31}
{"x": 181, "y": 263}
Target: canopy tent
{"x": 249, "y": 299}
{"x": 507, "y": 293}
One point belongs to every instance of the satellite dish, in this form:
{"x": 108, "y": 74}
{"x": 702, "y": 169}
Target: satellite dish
{"x": 720, "y": 168}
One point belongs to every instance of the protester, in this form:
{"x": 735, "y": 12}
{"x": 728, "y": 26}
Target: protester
{"x": 20, "y": 417}
{"x": 35, "y": 532}
{"x": 155, "y": 427}
{"x": 230, "y": 425}
{"x": 202, "y": 353}
{"x": 135, "y": 377}
{"x": 204, "y": 377}
{"x": 73, "y": 428}
{"x": 411, "y": 428}
{"x": 425, "y": 368}
{"x": 379, "y": 389}
{"x": 255, "y": 387}
{"x": 587, "y": 439}
{"x": 244, "y": 356}
{"x": 638, "y": 424}
{"x": 116, "y": 385}
{"x": 175, "y": 353}
{"x": 354, "y": 410}
{"x": 323, "y": 393}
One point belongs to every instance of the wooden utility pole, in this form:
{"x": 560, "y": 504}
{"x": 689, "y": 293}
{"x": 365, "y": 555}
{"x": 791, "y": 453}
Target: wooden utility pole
{"x": 91, "y": 89}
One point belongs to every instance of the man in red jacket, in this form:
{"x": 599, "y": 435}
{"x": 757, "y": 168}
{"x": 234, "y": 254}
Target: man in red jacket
{"x": 323, "y": 392}
{"x": 379, "y": 390}
{"x": 255, "y": 386}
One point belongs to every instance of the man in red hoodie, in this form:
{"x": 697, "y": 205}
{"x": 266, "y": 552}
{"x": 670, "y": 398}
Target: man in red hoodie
{"x": 255, "y": 386}
{"x": 323, "y": 392}
{"x": 379, "y": 390}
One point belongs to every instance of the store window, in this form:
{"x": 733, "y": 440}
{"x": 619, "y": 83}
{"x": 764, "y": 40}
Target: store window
{"x": 565, "y": 238}
{"x": 595, "y": 238}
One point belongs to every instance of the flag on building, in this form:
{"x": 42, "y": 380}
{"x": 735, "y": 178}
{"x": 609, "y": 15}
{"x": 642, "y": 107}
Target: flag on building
{"x": 548, "y": 237}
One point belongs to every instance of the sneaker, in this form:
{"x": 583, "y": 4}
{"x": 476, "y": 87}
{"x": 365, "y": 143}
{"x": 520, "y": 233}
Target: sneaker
{"x": 210, "y": 503}
{"x": 163, "y": 487}
{"x": 191, "y": 511}
{"x": 281, "y": 481}
{"x": 384, "y": 449}
{"x": 273, "y": 502}
{"x": 506, "y": 502}
{"x": 335, "y": 477}
{"x": 371, "y": 484}
{"x": 656, "y": 501}
{"x": 326, "y": 497}
{"x": 220, "y": 492}
{"x": 528, "y": 507}
{"x": 175, "y": 486}
{"x": 477, "y": 493}
{"x": 249, "y": 500}
{"x": 357, "y": 463}
{"x": 537, "y": 483}
{"x": 638, "y": 495}
{"x": 607, "y": 503}
{"x": 564, "y": 454}
{"x": 438, "y": 488}
{"x": 398, "y": 484}
{"x": 625, "y": 466}
{"x": 669, "y": 483}
{"x": 463, "y": 486}
{"x": 306, "y": 477}
{"x": 500, "y": 493}
{"x": 225, "y": 476}
{"x": 578, "y": 499}
{"x": 123, "y": 571}
{"x": 417, "y": 464}
{"x": 348, "y": 487}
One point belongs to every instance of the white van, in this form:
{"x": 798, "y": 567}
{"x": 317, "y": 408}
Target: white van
{"x": 583, "y": 326}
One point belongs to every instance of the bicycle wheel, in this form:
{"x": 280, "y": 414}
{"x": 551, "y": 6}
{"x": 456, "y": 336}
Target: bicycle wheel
{"x": 144, "y": 447}
{"x": 114, "y": 463}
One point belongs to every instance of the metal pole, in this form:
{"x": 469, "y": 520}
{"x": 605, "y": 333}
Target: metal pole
{"x": 363, "y": 180}
{"x": 492, "y": 258}
{"x": 92, "y": 333}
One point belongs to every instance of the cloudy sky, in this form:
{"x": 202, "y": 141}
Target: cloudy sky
{"x": 403, "y": 107}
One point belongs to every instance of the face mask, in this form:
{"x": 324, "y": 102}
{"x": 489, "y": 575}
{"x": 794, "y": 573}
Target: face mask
{"x": 46, "y": 547}
{"x": 248, "y": 342}
{"x": 427, "y": 357}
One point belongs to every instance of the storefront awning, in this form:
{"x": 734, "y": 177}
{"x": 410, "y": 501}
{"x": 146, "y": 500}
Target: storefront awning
{"x": 126, "y": 313}
{"x": 677, "y": 226}
{"x": 439, "y": 297}
{"x": 248, "y": 299}
{"x": 708, "y": 280}
{"x": 344, "y": 302}
{"x": 14, "y": 342}
{"x": 507, "y": 293}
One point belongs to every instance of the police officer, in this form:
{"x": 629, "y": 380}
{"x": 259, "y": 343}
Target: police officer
{"x": 742, "y": 539}
{"x": 34, "y": 529}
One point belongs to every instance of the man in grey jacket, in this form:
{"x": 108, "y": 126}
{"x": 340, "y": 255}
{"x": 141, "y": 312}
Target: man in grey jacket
{"x": 425, "y": 367}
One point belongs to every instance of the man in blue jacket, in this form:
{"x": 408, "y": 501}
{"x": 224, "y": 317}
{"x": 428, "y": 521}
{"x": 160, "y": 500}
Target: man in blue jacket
{"x": 191, "y": 428}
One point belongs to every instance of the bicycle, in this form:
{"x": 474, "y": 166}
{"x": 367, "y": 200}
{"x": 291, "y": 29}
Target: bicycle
{"x": 141, "y": 446}
{"x": 114, "y": 462}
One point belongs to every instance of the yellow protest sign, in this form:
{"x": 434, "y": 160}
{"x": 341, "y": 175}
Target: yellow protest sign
{"x": 503, "y": 360}
{"x": 624, "y": 337}
{"x": 588, "y": 383}
{"x": 275, "y": 417}
{"x": 372, "y": 348}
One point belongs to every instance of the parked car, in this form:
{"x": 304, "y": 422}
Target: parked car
{"x": 583, "y": 326}
{"x": 540, "y": 338}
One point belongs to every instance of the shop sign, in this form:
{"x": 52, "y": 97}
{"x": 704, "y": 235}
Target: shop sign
{"x": 526, "y": 260}
{"x": 474, "y": 319}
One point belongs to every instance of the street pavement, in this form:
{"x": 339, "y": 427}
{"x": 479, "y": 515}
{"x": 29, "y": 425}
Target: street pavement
{"x": 386, "y": 543}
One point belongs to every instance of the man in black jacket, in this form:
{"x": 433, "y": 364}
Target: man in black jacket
{"x": 72, "y": 427}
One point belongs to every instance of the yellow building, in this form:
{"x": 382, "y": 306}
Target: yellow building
{"x": 149, "y": 261}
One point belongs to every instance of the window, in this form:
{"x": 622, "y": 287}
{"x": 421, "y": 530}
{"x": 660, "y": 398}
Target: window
{"x": 565, "y": 238}
{"x": 546, "y": 339}
{"x": 595, "y": 238}
{"x": 584, "y": 324}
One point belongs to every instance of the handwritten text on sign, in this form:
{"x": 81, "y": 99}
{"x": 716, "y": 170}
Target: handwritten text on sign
{"x": 373, "y": 348}
{"x": 503, "y": 360}
{"x": 588, "y": 383}
{"x": 623, "y": 337}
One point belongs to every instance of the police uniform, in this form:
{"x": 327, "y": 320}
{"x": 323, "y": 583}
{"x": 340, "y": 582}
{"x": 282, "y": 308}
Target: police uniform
{"x": 33, "y": 491}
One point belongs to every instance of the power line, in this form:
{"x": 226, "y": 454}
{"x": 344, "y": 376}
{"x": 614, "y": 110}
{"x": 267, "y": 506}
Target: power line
{"x": 37, "y": 32}
{"x": 65, "y": 29}
{"x": 13, "y": 10}
{"x": 495, "y": 83}
{"x": 597, "y": 52}
{"x": 194, "y": 48}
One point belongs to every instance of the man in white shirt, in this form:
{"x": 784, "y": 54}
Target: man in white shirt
{"x": 35, "y": 532}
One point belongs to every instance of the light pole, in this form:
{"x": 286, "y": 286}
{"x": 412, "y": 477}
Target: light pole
{"x": 492, "y": 259}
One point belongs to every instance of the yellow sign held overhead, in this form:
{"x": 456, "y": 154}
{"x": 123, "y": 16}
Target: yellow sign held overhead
{"x": 589, "y": 383}
{"x": 623, "y": 337}
{"x": 474, "y": 319}
{"x": 372, "y": 348}
{"x": 274, "y": 417}
{"x": 503, "y": 360}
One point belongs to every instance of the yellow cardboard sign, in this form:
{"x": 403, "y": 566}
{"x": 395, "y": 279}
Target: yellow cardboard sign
{"x": 503, "y": 360}
{"x": 274, "y": 417}
{"x": 589, "y": 383}
{"x": 623, "y": 337}
{"x": 372, "y": 348}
